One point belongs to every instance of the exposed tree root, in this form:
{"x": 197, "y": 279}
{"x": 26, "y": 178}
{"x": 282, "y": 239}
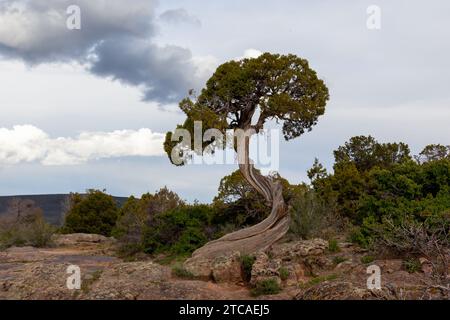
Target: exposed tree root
{"x": 262, "y": 235}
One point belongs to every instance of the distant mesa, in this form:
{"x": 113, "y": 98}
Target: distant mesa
{"x": 51, "y": 204}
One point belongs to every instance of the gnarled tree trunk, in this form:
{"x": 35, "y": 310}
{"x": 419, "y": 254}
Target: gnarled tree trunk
{"x": 260, "y": 236}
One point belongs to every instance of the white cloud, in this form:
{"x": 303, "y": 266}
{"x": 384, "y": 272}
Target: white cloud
{"x": 26, "y": 143}
{"x": 249, "y": 54}
{"x": 205, "y": 65}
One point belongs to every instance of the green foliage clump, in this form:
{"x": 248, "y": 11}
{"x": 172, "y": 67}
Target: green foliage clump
{"x": 129, "y": 228}
{"x": 179, "y": 231}
{"x": 318, "y": 280}
{"x": 409, "y": 236}
{"x": 182, "y": 273}
{"x": 367, "y": 259}
{"x": 311, "y": 214}
{"x": 137, "y": 215}
{"x": 266, "y": 287}
{"x": 162, "y": 223}
{"x": 360, "y": 236}
{"x": 339, "y": 259}
{"x": 247, "y": 262}
{"x": 96, "y": 213}
{"x": 434, "y": 152}
{"x": 412, "y": 265}
{"x": 284, "y": 273}
{"x": 366, "y": 153}
{"x": 87, "y": 283}
{"x": 24, "y": 225}
{"x": 333, "y": 246}
{"x": 39, "y": 233}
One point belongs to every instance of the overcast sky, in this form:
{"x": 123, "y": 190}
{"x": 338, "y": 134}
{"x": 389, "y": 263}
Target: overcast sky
{"x": 89, "y": 108}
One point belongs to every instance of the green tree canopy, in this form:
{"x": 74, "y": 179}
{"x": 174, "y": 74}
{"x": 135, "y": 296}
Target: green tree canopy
{"x": 434, "y": 152}
{"x": 282, "y": 87}
{"x": 365, "y": 153}
{"x": 95, "y": 212}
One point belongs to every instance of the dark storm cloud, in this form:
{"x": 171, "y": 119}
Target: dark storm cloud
{"x": 115, "y": 40}
{"x": 160, "y": 71}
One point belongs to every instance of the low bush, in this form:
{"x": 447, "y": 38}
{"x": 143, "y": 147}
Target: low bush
{"x": 137, "y": 215}
{"x": 333, "y": 246}
{"x": 312, "y": 216}
{"x": 247, "y": 266}
{"x": 338, "y": 259}
{"x": 266, "y": 287}
{"x": 412, "y": 265}
{"x": 367, "y": 259}
{"x": 182, "y": 273}
{"x": 179, "y": 231}
{"x": 95, "y": 212}
{"x": 87, "y": 283}
{"x": 318, "y": 280}
{"x": 284, "y": 273}
{"x": 409, "y": 237}
{"x": 29, "y": 229}
{"x": 360, "y": 236}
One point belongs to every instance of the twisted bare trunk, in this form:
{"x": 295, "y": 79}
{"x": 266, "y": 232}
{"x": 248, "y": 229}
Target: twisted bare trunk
{"x": 262, "y": 235}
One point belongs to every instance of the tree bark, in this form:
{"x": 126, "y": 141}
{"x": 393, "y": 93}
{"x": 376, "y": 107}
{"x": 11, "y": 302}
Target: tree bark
{"x": 262, "y": 235}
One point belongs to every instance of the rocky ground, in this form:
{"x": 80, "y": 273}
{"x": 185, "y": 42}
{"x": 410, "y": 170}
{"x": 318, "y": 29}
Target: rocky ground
{"x": 303, "y": 269}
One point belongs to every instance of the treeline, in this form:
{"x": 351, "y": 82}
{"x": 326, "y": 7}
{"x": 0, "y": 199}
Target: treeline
{"x": 162, "y": 223}
{"x": 378, "y": 186}
{"x": 378, "y": 194}
{"x": 389, "y": 201}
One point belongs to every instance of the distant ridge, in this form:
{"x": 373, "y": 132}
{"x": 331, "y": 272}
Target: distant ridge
{"x": 51, "y": 204}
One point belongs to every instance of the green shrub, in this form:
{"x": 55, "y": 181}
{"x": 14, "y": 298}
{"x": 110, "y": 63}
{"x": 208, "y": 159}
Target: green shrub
{"x": 247, "y": 266}
{"x": 29, "y": 229}
{"x": 317, "y": 280}
{"x": 95, "y": 212}
{"x": 87, "y": 283}
{"x": 39, "y": 233}
{"x": 137, "y": 215}
{"x": 311, "y": 215}
{"x": 181, "y": 272}
{"x": 338, "y": 259}
{"x": 360, "y": 237}
{"x": 266, "y": 287}
{"x": 412, "y": 265}
{"x": 367, "y": 259}
{"x": 408, "y": 235}
{"x": 333, "y": 246}
{"x": 162, "y": 224}
{"x": 284, "y": 273}
{"x": 179, "y": 231}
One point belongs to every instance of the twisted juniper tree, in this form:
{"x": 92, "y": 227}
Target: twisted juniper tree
{"x": 246, "y": 95}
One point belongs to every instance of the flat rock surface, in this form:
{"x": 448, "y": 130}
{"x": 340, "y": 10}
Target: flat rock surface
{"x": 310, "y": 272}
{"x": 32, "y": 273}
